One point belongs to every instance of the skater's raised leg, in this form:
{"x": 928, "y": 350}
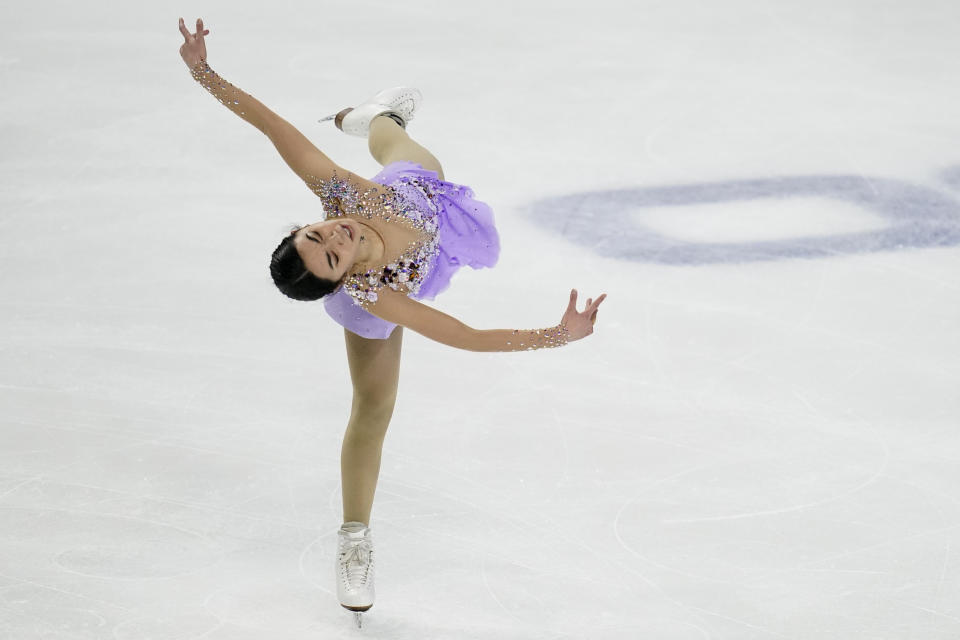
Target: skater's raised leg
{"x": 389, "y": 142}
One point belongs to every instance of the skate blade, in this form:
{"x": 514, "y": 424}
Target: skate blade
{"x": 357, "y": 614}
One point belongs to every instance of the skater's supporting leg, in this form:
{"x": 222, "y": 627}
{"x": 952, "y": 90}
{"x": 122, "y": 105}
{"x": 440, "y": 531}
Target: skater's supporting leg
{"x": 389, "y": 142}
{"x": 375, "y": 372}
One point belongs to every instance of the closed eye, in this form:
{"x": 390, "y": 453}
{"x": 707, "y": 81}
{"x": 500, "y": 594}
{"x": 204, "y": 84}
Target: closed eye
{"x": 329, "y": 261}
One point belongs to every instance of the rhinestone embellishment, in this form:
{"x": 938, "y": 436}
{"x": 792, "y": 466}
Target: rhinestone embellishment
{"x": 406, "y": 273}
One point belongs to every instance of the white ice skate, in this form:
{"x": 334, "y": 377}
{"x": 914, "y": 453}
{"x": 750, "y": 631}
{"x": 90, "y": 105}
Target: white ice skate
{"x": 400, "y": 101}
{"x": 354, "y": 569}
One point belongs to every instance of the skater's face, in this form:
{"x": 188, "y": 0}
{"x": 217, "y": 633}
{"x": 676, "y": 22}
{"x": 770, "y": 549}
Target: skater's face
{"x": 328, "y": 249}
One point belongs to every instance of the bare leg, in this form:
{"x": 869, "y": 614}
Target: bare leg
{"x": 389, "y": 142}
{"x": 375, "y": 372}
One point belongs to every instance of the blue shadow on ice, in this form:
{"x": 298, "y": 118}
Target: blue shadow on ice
{"x": 609, "y": 223}
{"x": 951, "y": 175}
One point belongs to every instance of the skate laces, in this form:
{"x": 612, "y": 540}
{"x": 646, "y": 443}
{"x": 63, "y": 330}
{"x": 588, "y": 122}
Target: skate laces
{"x": 356, "y": 558}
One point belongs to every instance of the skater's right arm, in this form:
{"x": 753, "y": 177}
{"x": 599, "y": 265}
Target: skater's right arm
{"x": 297, "y": 151}
{"x": 194, "y": 54}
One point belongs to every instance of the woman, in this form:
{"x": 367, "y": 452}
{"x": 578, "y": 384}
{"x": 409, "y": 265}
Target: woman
{"x": 384, "y": 244}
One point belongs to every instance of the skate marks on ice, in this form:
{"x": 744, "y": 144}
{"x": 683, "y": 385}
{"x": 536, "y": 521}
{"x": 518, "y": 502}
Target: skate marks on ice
{"x": 504, "y": 563}
{"x": 848, "y": 543}
{"x": 50, "y": 609}
{"x": 79, "y": 547}
{"x": 623, "y": 223}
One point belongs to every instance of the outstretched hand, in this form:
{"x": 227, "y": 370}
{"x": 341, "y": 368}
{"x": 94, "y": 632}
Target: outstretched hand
{"x": 579, "y": 324}
{"x": 193, "y": 48}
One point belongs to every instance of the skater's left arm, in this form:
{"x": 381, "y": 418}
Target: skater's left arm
{"x": 399, "y": 309}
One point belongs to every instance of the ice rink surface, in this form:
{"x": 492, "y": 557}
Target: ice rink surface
{"x": 760, "y": 441}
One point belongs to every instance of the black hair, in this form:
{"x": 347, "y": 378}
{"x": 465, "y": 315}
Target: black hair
{"x": 292, "y": 276}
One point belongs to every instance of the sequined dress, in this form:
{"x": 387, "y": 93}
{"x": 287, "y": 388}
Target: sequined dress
{"x": 454, "y": 228}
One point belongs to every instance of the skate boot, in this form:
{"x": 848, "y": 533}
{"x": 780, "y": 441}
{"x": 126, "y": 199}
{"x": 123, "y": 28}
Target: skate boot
{"x": 400, "y": 103}
{"x": 354, "y": 568}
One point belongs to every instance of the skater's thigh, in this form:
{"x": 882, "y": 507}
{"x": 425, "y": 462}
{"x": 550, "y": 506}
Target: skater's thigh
{"x": 374, "y": 370}
{"x": 388, "y": 143}
{"x": 413, "y": 152}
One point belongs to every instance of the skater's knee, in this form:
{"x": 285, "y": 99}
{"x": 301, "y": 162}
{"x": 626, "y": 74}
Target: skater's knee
{"x": 366, "y": 428}
{"x": 373, "y": 407}
{"x": 416, "y": 154}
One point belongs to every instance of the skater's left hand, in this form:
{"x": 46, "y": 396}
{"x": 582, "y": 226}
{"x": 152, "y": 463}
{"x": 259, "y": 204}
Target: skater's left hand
{"x": 579, "y": 324}
{"x": 193, "y": 47}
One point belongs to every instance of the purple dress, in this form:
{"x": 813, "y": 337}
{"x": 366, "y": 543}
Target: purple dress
{"x": 457, "y": 230}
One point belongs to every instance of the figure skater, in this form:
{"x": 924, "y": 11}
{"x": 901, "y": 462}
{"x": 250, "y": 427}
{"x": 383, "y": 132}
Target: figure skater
{"x": 383, "y": 245}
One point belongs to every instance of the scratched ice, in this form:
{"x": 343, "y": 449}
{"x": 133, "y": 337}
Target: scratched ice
{"x": 760, "y": 440}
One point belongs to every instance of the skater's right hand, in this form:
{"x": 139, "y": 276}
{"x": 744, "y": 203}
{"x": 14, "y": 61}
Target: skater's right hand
{"x": 193, "y": 48}
{"x": 579, "y": 324}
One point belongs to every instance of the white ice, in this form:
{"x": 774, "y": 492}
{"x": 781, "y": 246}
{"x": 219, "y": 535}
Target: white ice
{"x": 751, "y": 446}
